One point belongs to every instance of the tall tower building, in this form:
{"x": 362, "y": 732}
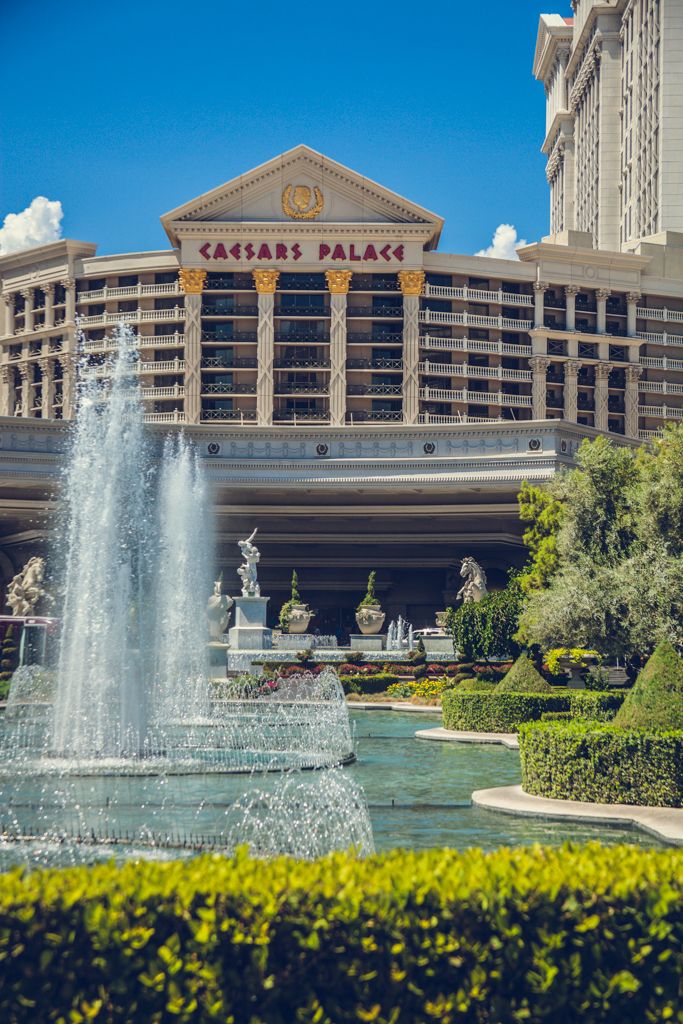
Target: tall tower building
{"x": 613, "y": 77}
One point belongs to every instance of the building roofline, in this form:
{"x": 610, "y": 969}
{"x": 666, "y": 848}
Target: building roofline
{"x": 36, "y": 253}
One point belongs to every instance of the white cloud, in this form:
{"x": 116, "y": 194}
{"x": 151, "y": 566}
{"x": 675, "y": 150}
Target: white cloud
{"x": 38, "y": 224}
{"x": 504, "y": 243}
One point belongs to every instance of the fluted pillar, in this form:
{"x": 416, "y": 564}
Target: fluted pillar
{"x": 48, "y": 387}
{"x": 632, "y": 400}
{"x": 192, "y": 284}
{"x": 69, "y": 359}
{"x": 266, "y": 283}
{"x": 571, "y": 390}
{"x": 8, "y": 308}
{"x": 539, "y": 303}
{"x": 570, "y": 292}
{"x": 69, "y": 286}
{"x": 539, "y": 366}
{"x": 25, "y": 390}
{"x": 412, "y": 285}
{"x": 601, "y": 296}
{"x": 7, "y": 391}
{"x": 632, "y": 300}
{"x": 601, "y": 417}
{"x": 27, "y": 295}
{"x": 338, "y": 282}
{"x": 49, "y": 290}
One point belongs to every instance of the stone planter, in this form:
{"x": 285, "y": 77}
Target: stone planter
{"x": 576, "y": 680}
{"x": 370, "y": 619}
{"x": 299, "y": 618}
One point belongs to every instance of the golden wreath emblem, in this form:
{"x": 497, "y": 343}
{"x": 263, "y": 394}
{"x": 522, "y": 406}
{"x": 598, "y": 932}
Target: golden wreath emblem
{"x": 301, "y": 202}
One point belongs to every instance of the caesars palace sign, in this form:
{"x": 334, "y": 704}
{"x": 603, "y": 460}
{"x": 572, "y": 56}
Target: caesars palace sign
{"x": 259, "y": 251}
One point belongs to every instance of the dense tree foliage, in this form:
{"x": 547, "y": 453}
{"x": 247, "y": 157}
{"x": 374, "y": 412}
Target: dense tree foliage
{"x": 606, "y": 567}
{"x": 485, "y": 629}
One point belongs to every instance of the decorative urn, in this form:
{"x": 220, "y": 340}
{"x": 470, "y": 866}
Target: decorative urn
{"x": 370, "y": 619}
{"x": 300, "y": 616}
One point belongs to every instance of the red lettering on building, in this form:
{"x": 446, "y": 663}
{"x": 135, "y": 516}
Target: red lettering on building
{"x": 280, "y": 251}
{"x": 296, "y": 251}
{"x": 398, "y": 253}
{"x": 204, "y": 251}
{"x": 264, "y": 252}
{"x": 249, "y": 251}
{"x": 219, "y": 252}
{"x": 385, "y": 253}
{"x": 338, "y": 252}
{"x": 370, "y": 253}
{"x": 323, "y": 251}
{"x": 236, "y": 251}
{"x": 353, "y": 256}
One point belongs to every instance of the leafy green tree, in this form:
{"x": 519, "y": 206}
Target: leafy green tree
{"x": 543, "y": 511}
{"x": 485, "y": 629}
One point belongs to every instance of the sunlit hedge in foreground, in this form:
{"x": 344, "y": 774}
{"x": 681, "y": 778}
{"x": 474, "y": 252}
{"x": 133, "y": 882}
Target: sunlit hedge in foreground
{"x": 564, "y": 935}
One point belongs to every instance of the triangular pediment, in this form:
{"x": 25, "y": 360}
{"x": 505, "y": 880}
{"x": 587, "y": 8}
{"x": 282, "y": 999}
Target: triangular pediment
{"x": 302, "y": 187}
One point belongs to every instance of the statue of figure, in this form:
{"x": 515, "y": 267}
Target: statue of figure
{"x": 218, "y": 611}
{"x": 247, "y": 571}
{"x": 475, "y": 586}
{"x": 26, "y": 589}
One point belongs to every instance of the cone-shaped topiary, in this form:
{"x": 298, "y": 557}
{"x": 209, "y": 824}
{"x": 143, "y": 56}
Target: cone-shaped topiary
{"x": 656, "y": 700}
{"x": 523, "y": 677}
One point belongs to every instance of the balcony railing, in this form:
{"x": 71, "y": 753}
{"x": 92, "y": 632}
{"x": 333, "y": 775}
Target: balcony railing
{"x": 660, "y": 339}
{"x": 285, "y": 312}
{"x": 238, "y": 338}
{"x": 375, "y": 389}
{"x": 478, "y": 295}
{"x": 289, "y": 388}
{"x": 355, "y": 312}
{"x": 218, "y": 363}
{"x": 474, "y": 345}
{"x": 441, "y": 419}
{"x": 303, "y": 416}
{"x": 133, "y": 316}
{"x": 163, "y": 366}
{"x": 374, "y": 364}
{"x": 429, "y": 394}
{"x": 663, "y": 386}
{"x": 228, "y": 314}
{"x": 661, "y": 363}
{"x": 175, "y": 391}
{"x": 375, "y": 416}
{"x": 468, "y": 370}
{"x": 130, "y": 292}
{"x": 374, "y": 338}
{"x": 431, "y": 316}
{"x": 241, "y": 415}
{"x": 670, "y": 315}
{"x": 142, "y": 341}
{"x": 228, "y": 389}
{"x": 663, "y": 412}
{"x": 302, "y": 364}
{"x": 177, "y": 416}
{"x": 301, "y": 337}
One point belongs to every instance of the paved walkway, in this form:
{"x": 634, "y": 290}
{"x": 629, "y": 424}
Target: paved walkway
{"x": 506, "y": 739}
{"x": 664, "y": 822}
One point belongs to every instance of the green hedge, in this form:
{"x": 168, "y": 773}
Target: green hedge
{"x": 602, "y": 763}
{"x": 591, "y": 934}
{"x": 504, "y": 712}
{"x": 375, "y": 683}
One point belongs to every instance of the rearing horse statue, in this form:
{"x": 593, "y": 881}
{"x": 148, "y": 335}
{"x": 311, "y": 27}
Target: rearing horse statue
{"x": 474, "y": 588}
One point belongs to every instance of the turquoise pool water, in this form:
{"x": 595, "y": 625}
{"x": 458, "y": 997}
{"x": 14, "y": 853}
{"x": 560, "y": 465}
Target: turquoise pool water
{"x": 419, "y": 792}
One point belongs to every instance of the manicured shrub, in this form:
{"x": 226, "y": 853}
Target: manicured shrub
{"x": 376, "y": 683}
{"x": 556, "y": 716}
{"x": 523, "y": 677}
{"x": 602, "y": 763}
{"x": 505, "y": 712}
{"x": 477, "y": 684}
{"x": 591, "y": 934}
{"x": 656, "y": 700}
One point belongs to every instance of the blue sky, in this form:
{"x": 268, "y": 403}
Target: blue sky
{"x": 122, "y": 111}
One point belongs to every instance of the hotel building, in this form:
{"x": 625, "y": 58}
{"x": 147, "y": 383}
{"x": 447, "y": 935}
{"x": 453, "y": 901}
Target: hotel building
{"x": 364, "y": 398}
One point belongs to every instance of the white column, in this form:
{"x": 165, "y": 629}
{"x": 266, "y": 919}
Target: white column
{"x": 27, "y": 294}
{"x": 539, "y": 366}
{"x": 192, "y": 284}
{"x": 412, "y": 285}
{"x": 48, "y": 388}
{"x": 570, "y": 292}
{"x": 571, "y": 390}
{"x": 25, "y": 390}
{"x": 539, "y": 302}
{"x": 632, "y": 400}
{"x": 266, "y": 283}
{"x": 69, "y": 286}
{"x": 601, "y": 416}
{"x": 8, "y": 306}
{"x": 49, "y": 290}
{"x": 632, "y": 300}
{"x": 69, "y": 359}
{"x": 601, "y": 296}
{"x": 609, "y": 133}
{"x": 7, "y": 391}
{"x": 338, "y": 282}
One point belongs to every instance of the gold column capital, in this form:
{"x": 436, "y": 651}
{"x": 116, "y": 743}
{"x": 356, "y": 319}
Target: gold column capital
{"x": 412, "y": 282}
{"x": 338, "y": 281}
{"x": 191, "y": 281}
{"x": 265, "y": 281}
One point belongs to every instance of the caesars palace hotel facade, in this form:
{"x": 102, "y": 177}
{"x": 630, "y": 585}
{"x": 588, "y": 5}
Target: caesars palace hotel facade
{"x": 366, "y": 400}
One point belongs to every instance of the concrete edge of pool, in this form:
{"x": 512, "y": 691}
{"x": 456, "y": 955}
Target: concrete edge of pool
{"x": 359, "y": 705}
{"x": 664, "y": 822}
{"x": 439, "y": 735}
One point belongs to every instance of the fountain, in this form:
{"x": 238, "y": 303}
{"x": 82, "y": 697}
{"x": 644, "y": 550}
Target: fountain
{"x": 129, "y": 750}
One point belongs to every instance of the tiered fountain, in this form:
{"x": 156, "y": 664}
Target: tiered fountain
{"x": 129, "y": 751}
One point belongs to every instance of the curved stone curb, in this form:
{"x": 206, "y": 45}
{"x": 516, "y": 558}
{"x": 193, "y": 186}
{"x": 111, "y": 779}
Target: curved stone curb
{"x": 360, "y": 705}
{"x": 664, "y": 822}
{"x": 504, "y": 739}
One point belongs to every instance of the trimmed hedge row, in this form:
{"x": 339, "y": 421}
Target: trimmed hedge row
{"x": 505, "y": 712}
{"x": 590, "y": 934}
{"x": 602, "y": 763}
{"x": 375, "y": 683}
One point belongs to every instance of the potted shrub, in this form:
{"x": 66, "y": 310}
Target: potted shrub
{"x": 369, "y": 614}
{"x": 295, "y": 616}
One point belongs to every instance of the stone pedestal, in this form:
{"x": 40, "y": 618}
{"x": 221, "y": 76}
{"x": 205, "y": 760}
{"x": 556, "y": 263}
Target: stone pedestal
{"x": 438, "y": 645}
{"x": 250, "y": 632}
{"x": 359, "y": 642}
{"x": 33, "y": 644}
{"x": 218, "y": 653}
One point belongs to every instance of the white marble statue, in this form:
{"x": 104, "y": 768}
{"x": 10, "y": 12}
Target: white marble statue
{"x": 218, "y": 611}
{"x": 247, "y": 571}
{"x": 26, "y": 588}
{"x": 474, "y": 587}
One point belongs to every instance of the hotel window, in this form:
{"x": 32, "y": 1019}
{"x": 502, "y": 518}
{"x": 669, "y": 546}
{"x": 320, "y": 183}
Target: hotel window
{"x": 556, "y": 347}
{"x": 129, "y": 306}
{"x": 128, "y": 281}
{"x": 301, "y": 282}
{"x": 302, "y": 303}
{"x": 217, "y": 305}
{"x": 95, "y": 284}
{"x": 165, "y": 277}
{"x": 218, "y": 281}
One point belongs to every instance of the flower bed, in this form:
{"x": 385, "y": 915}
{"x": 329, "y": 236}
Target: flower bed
{"x": 505, "y": 712}
{"x": 590, "y": 934}
{"x": 602, "y": 763}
